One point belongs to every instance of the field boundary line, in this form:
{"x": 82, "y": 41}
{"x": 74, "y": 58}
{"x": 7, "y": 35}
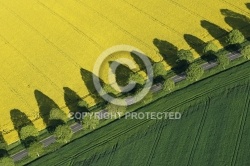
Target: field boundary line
{"x": 70, "y": 24}
{"x": 13, "y": 90}
{"x": 186, "y": 9}
{"x": 40, "y": 34}
{"x": 153, "y": 18}
{"x": 241, "y": 130}
{"x": 29, "y": 62}
{"x": 156, "y": 142}
{"x": 111, "y": 155}
{"x": 199, "y": 131}
{"x": 234, "y": 6}
{"x": 117, "y": 25}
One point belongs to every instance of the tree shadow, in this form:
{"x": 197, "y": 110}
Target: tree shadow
{"x": 139, "y": 61}
{"x": 3, "y": 146}
{"x": 195, "y": 43}
{"x": 20, "y": 120}
{"x": 167, "y": 50}
{"x": 216, "y": 32}
{"x": 87, "y": 78}
{"x": 122, "y": 72}
{"x": 45, "y": 105}
{"x": 230, "y": 13}
{"x": 182, "y": 66}
{"x": 28, "y": 141}
{"x": 53, "y": 124}
{"x": 239, "y": 24}
{"x": 248, "y": 5}
{"x": 237, "y": 21}
{"x": 209, "y": 57}
{"x": 72, "y": 99}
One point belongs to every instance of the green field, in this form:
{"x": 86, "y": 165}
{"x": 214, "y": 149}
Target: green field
{"x": 214, "y": 130}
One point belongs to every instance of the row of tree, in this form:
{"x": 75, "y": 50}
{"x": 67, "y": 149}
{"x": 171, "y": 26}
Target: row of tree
{"x": 62, "y": 132}
{"x": 194, "y": 70}
{"x": 29, "y": 134}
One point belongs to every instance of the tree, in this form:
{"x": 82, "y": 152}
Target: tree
{"x": 82, "y": 103}
{"x": 194, "y": 72}
{"x": 169, "y": 84}
{"x": 138, "y": 78}
{"x": 3, "y": 146}
{"x": 63, "y": 133}
{"x": 109, "y": 89}
{"x": 148, "y": 98}
{"x": 35, "y": 150}
{"x": 186, "y": 55}
{"x": 246, "y": 52}
{"x": 7, "y": 161}
{"x": 223, "y": 60}
{"x": 112, "y": 108}
{"x": 58, "y": 114}
{"x": 28, "y": 131}
{"x": 235, "y": 37}
{"x": 90, "y": 121}
{"x": 159, "y": 69}
{"x": 210, "y": 48}
{"x": 98, "y": 98}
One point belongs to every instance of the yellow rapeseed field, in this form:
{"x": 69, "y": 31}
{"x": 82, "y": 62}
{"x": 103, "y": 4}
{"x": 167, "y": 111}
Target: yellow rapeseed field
{"x": 44, "y": 43}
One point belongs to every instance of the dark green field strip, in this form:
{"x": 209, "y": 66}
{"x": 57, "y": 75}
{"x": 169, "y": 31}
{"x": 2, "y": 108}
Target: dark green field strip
{"x": 217, "y": 141}
{"x": 198, "y": 134}
{"x": 243, "y": 155}
{"x": 110, "y": 156}
{"x": 241, "y": 128}
{"x": 128, "y": 153}
{"x": 101, "y": 143}
{"x": 191, "y": 93}
{"x": 178, "y": 137}
{"x": 114, "y": 136}
{"x": 137, "y": 150}
{"x": 155, "y": 143}
{"x": 131, "y": 146}
{"x": 106, "y": 151}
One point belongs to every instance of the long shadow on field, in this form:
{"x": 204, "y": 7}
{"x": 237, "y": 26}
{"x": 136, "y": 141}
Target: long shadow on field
{"x": 72, "y": 100}
{"x": 195, "y": 43}
{"x": 198, "y": 45}
{"x": 139, "y": 61}
{"x": 239, "y": 24}
{"x": 230, "y": 13}
{"x": 45, "y": 105}
{"x": 20, "y": 120}
{"x": 122, "y": 74}
{"x": 87, "y": 78}
{"x": 3, "y": 146}
{"x": 216, "y": 32}
{"x": 167, "y": 50}
{"x": 237, "y": 21}
{"x": 248, "y": 5}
